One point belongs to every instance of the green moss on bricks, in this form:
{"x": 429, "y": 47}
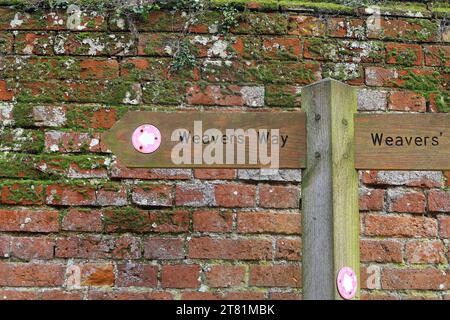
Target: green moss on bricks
{"x": 261, "y": 23}
{"x": 23, "y": 192}
{"x": 125, "y": 218}
{"x": 21, "y": 140}
{"x": 163, "y": 92}
{"x": 23, "y": 115}
{"x": 317, "y": 6}
{"x": 406, "y": 57}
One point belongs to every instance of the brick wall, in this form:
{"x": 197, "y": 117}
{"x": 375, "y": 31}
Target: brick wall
{"x": 69, "y": 211}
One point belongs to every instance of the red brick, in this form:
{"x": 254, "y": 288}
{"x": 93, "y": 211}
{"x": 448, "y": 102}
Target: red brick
{"x": 195, "y": 295}
{"x": 405, "y": 54}
{"x": 82, "y": 220}
{"x": 120, "y": 171}
{"x": 275, "y": 276}
{"x": 61, "y": 295}
{"x": 244, "y": 295}
{"x": 6, "y": 94}
{"x": 282, "y": 47}
{"x": 97, "y": 274}
{"x": 180, "y": 276}
{"x": 212, "y": 221}
{"x": 447, "y": 177}
{"x": 29, "y": 220}
{"x": 437, "y": 55}
{"x": 129, "y": 295}
{"x": 6, "y": 294}
{"x": 156, "y": 44}
{"x": 112, "y": 195}
{"x": 194, "y": 195}
{"x": 279, "y": 196}
{"x": 225, "y": 276}
{"x": 345, "y": 27}
{"x": 400, "y": 226}
{"x": 235, "y": 195}
{"x": 425, "y": 251}
{"x": 289, "y": 249}
{"x": 406, "y": 101}
{"x": 378, "y": 296}
{"x": 444, "y": 229}
{"x": 97, "y": 247}
{"x": 215, "y": 174}
{"x": 421, "y": 179}
{"x": 421, "y": 279}
{"x": 371, "y": 199}
{"x": 164, "y": 248}
{"x": 439, "y": 201}
{"x": 137, "y": 275}
{"x": 385, "y": 251}
{"x": 215, "y": 95}
{"x": 306, "y": 26}
{"x": 230, "y": 249}
{"x": 29, "y": 248}
{"x": 98, "y": 118}
{"x": 131, "y": 219}
{"x": 22, "y": 194}
{"x": 99, "y": 69}
{"x": 413, "y": 30}
{"x": 390, "y": 77}
{"x": 6, "y": 43}
{"x": 72, "y": 142}
{"x": 267, "y": 222}
{"x": 37, "y": 43}
{"x": 31, "y": 275}
{"x": 285, "y": 296}
{"x": 5, "y": 247}
{"x": 406, "y": 201}
{"x": 152, "y": 195}
{"x": 70, "y": 195}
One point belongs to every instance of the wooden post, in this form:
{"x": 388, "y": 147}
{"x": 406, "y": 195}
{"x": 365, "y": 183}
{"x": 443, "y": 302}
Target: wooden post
{"x": 330, "y": 213}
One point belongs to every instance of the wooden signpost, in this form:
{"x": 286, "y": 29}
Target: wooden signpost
{"x": 329, "y": 140}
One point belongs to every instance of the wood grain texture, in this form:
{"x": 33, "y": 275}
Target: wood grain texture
{"x": 419, "y": 141}
{"x": 329, "y": 189}
{"x": 292, "y": 124}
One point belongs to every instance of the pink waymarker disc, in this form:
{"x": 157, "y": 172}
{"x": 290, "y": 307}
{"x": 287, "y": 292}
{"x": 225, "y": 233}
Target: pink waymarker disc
{"x": 347, "y": 283}
{"x": 146, "y": 138}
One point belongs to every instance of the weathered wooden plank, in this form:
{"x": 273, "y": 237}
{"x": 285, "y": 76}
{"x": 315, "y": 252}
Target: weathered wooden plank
{"x": 291, "y": 126}
{"x": 329, "y": 189}
{"x": 402, "y": 141}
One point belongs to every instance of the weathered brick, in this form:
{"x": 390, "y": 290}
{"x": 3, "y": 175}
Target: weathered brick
{"x": 196, "y": 295}
{"x": 444, "y": 229}
{"x": 404, "y": 54}
{"x": 120, "y": 171}
{"x": 289, "y": 249}
{"x": 6, "y": 94}
{"x": 60, "y": 295}
{"x": 97, "y": 247}
{"x": 439, "y": 201}
{"x": 437, "y": 55}
{"x": 164, "y": 248}
{"x": 137, "y": 275}
{"x": 288, "y": 96}
{"x": 384, "y": 251}
{"x": 129, "y": 295}
{"x": 69, "y": 142}
{"x": 194, "y": 195}
{"x": 99, "y": 117}
{"x": 400, "y": 226}
{"x": 424, "y": 279}
{"x": 346, "y": 27}
{"x": 286, "y": 175}
{"x": 267, "y": 222}
{"x": 419, "y": 30}
{"x": 220, "y": 276}
{"x": 49, "y": 116}
{"x": 152, "y": 195}
{"x": 97, "y": 274}
{"x": 279, "y": 196}
{"x": 26, "y": 140}
{"x": 38, "y": 43}
{"x": 6, "y": 294}
{"x": 282, "y": 48}
{"x": 85, "y": 220}
{"x": 111, "y": 195}
{"x": 372, "y": 100}
{"x": 406, "y": 101}
{"x": 6, "y": 43}
{"x": 404, "y": 200}
{"x": 215, "y": 174}
{"x": 212, "y": 221}
{"x": 424, "y": 179}
{"x": 390, "y": 77}
{"x": 275, "y": 295}
{"x": 5, "y": 247}
{"x": 244, "y": 295}
{"x": 29, "y": 248}
{"x": 24, "y": 220}
{"x": 306, "y": 26}
{"x": 231, "y": 95}
{"x": 261, "y": 23}
{"x": 371, "y": 199}
{"x": 29, "y": 193}
{"x": 235, "y": 195}
{"x": 180, "y": 276}
{"x": 425, "y": 251}
{"x": 275, "y": 276}
{"x": 31, "y": 274}
{"x": 228, "y": 249}
{"x": 71, "y": 195}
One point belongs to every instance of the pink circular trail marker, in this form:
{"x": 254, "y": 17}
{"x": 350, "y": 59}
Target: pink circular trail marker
{"x": 146, "y": 138}
{"x": 347, "y": 283}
